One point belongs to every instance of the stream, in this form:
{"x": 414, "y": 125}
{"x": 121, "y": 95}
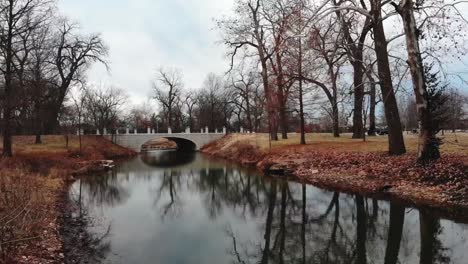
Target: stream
{"x": 175, "y": 207}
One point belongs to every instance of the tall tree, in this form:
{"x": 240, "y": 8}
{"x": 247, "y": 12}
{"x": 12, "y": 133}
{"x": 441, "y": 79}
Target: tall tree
{"x": 355, "y": 51}
{"x": 74, "y": 53}
{"x": 247, "y": 30}
{"x": 168, "y": 89}
{"x": 17, "y": 18}
{"x": 395, "y": 134}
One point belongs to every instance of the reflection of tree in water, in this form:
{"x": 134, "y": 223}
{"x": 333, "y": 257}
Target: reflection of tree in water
{"x": 350, "y": 229}
{"x": 432, "y": 250}
{"x": 240, "y": 191}
{"x": 211, "y": 183}
{"x": 104, "y": 190}
{"x": 80, "y": 245}
{"x": 170, "y": 184}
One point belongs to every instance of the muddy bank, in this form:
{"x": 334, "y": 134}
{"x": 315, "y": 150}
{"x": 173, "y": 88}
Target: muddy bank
{"x": 78, "y": 245}
{"x": 442, "y": 185}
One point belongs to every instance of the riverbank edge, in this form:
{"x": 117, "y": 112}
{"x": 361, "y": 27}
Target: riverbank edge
{"x": 290, "y": 162}
{"x": 64, "y": 232}
{"x": 78, "y": 245}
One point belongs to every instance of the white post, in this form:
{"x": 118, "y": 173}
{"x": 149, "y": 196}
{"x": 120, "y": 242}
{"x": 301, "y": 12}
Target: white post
{"x": 216, "y": 131}
{"x": 97, "y": 132}
{"x": 152, "y": 131}
{"x": 135, "y": 131}
{"x": 148, "y": 130}
{"x": 242, "y": 130}
{"x": 117, "y": 131}
{"x": 206, "y": 130}
{"x": 127, "y": 131}
{"x": 105, "y": 132}
{"x": 187, "y": 130}
{"x": 169, "y": 130}
{"x": 201, "y": 131}
{"x": 224, "y": 130}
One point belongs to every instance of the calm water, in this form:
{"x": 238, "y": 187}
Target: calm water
{"x": 170, "y": 207}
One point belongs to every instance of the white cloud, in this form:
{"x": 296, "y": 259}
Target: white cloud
{"x": 145, "y": 34}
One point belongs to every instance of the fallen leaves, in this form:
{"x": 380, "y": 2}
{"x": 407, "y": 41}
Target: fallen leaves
{"x": 442, "y": 182}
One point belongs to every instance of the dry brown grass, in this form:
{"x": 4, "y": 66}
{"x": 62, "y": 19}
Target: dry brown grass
{"x": 31, "y": 187}
{"x": 453, "y": 143}
{"x": 91, "y": 146}
{"x": 28, "y": 216}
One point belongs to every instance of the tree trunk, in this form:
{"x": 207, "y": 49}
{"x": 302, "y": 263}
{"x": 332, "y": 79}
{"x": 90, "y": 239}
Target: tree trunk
{"x": 249, "y": 116}
{"x": 372, "y": 104}
{"x": 284, "y": 121}
{"x": 429, "y": 150}
{"x": 358, "y": 130}
{"x": 336, "y": 119}
{"x": 38, "y": 138}
{"x": 7, "y": 108}
{"x": 281, "y": 97}
{"x": 272, "y": 120}
{"x": 38, "y": 123}
{"x": 272, "y": 124}
{"x": 7, "y": 138}
{"x": 395, "y": 134}
{"x": 301, "y": 95}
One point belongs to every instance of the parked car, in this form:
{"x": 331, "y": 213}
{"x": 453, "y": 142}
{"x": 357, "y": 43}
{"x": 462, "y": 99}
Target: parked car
{"x": 382, "y": 131}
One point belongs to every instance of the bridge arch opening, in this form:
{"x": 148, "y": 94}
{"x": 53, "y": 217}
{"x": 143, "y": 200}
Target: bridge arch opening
{"x": 179, "y": 144}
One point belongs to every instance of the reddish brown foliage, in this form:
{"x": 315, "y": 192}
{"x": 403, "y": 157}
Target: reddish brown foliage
{"x": 33, "y": 183}
{"x": 438, "y": 184}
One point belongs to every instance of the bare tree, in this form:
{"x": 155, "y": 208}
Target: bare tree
{"x": 244, "y": 85}
{"x": 244, "y": 31}
{"x": 168, "y": 89}
{"x": 355, "y": 49}
{"x": 190, "y": 102}
{"x": 74, "y": 53}
{"x": 103, "y": 106}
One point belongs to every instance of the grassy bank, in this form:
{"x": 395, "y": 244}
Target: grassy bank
{"x": 32, "y": 191}
{"x": 351, "y": 165}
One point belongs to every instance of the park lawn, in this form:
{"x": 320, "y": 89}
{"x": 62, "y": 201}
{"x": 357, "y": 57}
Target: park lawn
{"x": 453, "y": 142}
{"x": 91, "y": 145}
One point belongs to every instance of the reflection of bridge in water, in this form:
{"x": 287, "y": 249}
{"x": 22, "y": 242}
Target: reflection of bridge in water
{"x": 185, "y": 141}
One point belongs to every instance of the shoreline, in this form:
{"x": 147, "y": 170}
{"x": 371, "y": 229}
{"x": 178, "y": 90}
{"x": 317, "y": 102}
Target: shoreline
{"x": 54, "y": 231}
{"x": 442, "y": 186}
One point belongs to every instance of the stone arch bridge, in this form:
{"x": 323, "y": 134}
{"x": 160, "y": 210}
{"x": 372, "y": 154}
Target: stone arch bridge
{"x": 185, "y": 141}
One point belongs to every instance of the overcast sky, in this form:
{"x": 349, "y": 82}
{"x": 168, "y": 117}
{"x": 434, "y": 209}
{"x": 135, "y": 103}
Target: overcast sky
{"x": 145, "y": 34}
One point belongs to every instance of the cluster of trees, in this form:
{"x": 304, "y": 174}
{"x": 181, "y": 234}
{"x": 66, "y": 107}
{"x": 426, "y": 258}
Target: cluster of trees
{"x": 347, "y": 50}
{"x": 42, "y": 55}
{"x": 232, "y": 102}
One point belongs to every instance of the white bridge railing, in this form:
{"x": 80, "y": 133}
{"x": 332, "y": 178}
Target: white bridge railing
{"x": 151, "y": 131}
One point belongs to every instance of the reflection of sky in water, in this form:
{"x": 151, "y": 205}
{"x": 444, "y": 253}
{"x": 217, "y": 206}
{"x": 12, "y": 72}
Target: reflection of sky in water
{"x": 200, "y": 211}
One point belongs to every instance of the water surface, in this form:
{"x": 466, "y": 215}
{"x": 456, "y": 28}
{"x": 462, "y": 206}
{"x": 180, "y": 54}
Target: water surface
{"x": 172, "y": 207}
